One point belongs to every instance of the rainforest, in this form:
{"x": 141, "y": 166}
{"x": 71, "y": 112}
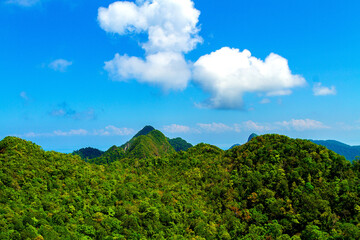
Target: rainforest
{"x": 272, "y": 187}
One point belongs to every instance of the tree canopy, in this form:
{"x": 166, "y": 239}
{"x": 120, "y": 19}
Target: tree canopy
{"x": 272, "y": 187}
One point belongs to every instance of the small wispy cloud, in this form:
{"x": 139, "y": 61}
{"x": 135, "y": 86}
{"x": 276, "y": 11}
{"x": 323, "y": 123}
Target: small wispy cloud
{"x": 63, "y": 110}
{"x": 320, "y": 90}
{"x": 109, "y": 130}
{"x": 60, "y": 65}
{"x": 303, "y": 124}
{"x": 175, "y": 128}
{"x": 215, "y": 127}
{"x": 24, "y": 96}
{"x": 348, "y": 127}
{"x": 253, "y": 126}
{"x": 33, "y": 135}
{"x": 73, "y": 132}
{"x": 265, "y": 101}
{"x": 236, "y": 127}
{"x": 114, "y": 131}
{"x": 23, "y": 3}
{"x": 246, "y": 126}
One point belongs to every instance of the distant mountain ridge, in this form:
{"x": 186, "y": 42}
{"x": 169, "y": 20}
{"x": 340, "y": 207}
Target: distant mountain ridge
{"x": 147, "y": 143}
{"x": 349, "y": 152}
{"x": 252, "y": 136}
{"x": 249, "y": 138}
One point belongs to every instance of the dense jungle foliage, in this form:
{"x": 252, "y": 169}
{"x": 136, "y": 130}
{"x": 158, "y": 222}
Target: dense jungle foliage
{"x": 88, "y": 153}
{"x": 179, "y": 144}
{"x": 272, "y": 187}
{"x": 147, "y": 144}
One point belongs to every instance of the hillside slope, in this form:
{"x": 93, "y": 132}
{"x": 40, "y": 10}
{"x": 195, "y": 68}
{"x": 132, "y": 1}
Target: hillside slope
{"x": 272, "y": 187}
{"x": 152, "y": 144}
{"x": 146, "y": 143}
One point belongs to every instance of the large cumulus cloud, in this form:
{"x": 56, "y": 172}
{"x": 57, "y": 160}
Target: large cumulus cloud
{"x": 172, "y": 30}
{"x": 227, "y": 74}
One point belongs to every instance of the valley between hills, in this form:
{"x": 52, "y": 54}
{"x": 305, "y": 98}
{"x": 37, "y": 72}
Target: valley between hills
{"x": 153, "y": 187}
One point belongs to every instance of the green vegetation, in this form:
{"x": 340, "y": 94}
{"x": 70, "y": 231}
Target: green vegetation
{"x": 179, "y": 144}
{"x": 349, "y": 152}
{"x": 144, "y": 144}
{"x": 88, "y": 153}
{"x": 111, "y": 155}
{"x": 272, "y": 187}
{"x": 150, "y": 145}
{"x": 145, "y": 131}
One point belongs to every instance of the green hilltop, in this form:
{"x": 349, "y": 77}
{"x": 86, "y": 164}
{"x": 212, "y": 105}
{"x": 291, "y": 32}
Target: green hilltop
{"x": 152, "y": 144}
{"x": 272, "y": 187}
{"x": 179, "y": 144}
{"x": 88, "y": 153}
{"x": 148, "y": 142}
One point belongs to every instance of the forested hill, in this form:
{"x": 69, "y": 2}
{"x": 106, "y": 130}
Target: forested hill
{"x": 179, "y": 144}
{"x": 144, "y": 145}
{"x": 272, "y": 187}
{"x": 88, "y": 153}
{"x": 148, "y": 142}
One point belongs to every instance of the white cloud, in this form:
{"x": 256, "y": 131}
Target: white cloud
{"x": 175, "y": 128}
{"x": 60, "y": 65}
{"x": 320, "y": 90}
{"x": 215, "y": 127}
{"x": 347, "y": 127}
{"x": 265, "y": 101}
{"x": 23, "y": 3}
{"x": 167, "y": 69}
{"x": 24, "y": 96}
{"x": 74, "y": 132}
{"x": 107, "y": 131}
{"x": 172, "y": 30}
{"x": 303, "y": 124}
{"x": 114, "y": 131}
{"x": 34, "y": 135}
{"x": 171, "y": 25}
{"x": 282, "y": 92}
{"x": 63, "y": 110}
{"x": 253, "y": 126}
{"x": 228, "y": 74}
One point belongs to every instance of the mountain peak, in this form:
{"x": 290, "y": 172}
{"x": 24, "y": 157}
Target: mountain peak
{"x": 147, "y": 129}
{"x": 252, "y": 136}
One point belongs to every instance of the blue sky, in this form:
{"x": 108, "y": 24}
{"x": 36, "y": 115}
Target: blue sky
{"x": 93, "y": 73}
